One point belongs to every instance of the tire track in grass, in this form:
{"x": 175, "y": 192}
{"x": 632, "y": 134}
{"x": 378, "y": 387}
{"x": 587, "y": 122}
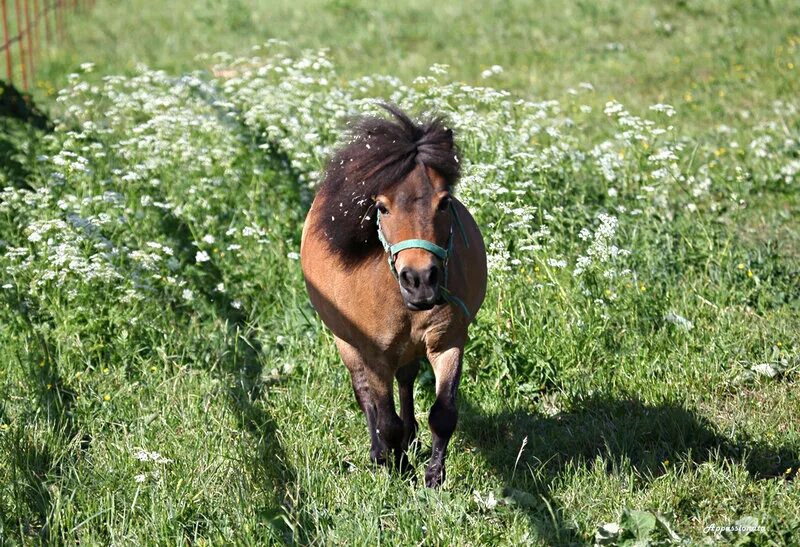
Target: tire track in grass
{"x": 242, "y": 371}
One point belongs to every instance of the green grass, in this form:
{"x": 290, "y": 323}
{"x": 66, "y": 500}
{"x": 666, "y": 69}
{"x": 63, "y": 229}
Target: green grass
{"x": 717, "y": 60}
{"x": 584, "y": 400}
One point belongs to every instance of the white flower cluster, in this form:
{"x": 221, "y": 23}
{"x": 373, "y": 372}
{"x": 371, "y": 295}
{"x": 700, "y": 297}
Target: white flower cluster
{"x": 601, "y": 253}
{"x": 152, "y": 458}
{"x": 130, "y": 153}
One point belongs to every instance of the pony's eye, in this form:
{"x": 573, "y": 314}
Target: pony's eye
{"x": 381, "y": 207}
{"x": 444, "y": 204}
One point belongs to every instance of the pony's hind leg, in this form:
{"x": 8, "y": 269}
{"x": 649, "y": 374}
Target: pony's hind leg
{"x": 405, "y": 386}
{"x": 355, "y": 365}
{"x": 444, "y": 415}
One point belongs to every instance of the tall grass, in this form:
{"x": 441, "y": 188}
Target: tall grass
{"x": 631, "y": 375}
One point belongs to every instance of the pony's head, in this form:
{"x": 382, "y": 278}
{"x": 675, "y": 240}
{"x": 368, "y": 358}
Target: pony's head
{"x": 393, "y": 177}
{"x": 416, "y": 224}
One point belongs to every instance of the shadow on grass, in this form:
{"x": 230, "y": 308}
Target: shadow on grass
{"x": 21, "y": 122}
{"x": 622, "y": 432}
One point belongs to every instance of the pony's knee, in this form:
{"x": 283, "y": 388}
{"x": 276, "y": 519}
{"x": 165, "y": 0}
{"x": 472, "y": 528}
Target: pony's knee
{"x": 443, "y": 418}
{"x": 390, "y": 429}
{"x": 407, "y": 374}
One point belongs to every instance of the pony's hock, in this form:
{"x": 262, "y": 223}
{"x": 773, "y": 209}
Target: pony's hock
{"x": 396, "y": 268}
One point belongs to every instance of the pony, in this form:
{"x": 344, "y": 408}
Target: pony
{"x": 395, "y": 266}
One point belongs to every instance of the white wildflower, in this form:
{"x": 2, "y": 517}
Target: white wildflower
{"x": 201, "y": 256}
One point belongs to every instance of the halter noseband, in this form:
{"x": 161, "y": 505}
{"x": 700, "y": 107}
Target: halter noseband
{"x": 443, "y": 254}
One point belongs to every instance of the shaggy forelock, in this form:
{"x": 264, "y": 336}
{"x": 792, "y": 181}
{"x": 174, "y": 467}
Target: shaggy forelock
{"x": 379, "y": 155}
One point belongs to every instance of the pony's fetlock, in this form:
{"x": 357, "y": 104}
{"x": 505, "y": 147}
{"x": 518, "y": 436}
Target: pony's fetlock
{"x": 435, "y": 474}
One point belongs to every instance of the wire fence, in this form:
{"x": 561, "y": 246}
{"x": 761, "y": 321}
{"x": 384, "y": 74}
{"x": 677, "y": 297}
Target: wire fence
{"x": 26, "y": 26}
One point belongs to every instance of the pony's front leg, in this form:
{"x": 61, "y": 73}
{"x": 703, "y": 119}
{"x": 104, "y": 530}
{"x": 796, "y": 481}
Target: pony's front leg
{"x": 389, "y": 426}
{"x": 444, "y": 415}
{"x": 358, "y": 378}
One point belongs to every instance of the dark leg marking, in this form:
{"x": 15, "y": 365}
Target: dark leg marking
{"x": 444, "y": 415}
{"x": 405, "y": 386}
{"x": 360, "y": 380}
{"x": 361, "y": 391}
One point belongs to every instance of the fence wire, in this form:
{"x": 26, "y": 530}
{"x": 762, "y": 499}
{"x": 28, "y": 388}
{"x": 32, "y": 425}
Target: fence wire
{"x": 26, "y": 25}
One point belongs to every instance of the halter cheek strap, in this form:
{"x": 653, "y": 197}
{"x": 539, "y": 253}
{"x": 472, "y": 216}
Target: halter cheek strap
{"x": 442, "y": 254}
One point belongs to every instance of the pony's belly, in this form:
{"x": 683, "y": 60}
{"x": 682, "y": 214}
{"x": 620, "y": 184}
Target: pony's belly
{"x": 358, "y": 306}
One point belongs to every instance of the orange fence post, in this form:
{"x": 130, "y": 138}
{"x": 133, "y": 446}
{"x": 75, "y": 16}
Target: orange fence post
{"x": 59, "y": 20}
{"x": 29, "y": 38}
{"x": 36, "y": 18}
{"x": 48, "y": 36}
{"x": 7, "y": 44}
{"x": 21, "y": 46}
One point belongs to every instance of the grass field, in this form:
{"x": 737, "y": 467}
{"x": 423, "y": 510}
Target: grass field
{"x": 633, "y": 373}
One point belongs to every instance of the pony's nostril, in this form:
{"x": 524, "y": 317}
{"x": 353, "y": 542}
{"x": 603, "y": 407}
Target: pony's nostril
{"x": 432, "y": 275}
{"x": 409, "y": 278}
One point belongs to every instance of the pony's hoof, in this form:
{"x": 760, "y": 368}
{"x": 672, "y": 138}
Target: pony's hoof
{"x": 403, "y": 465}
{"x": 410, "y": 438}
{"x": 377, "y": 456}
{"x": 434, "y": 476}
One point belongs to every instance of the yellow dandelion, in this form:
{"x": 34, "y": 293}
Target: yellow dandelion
{"x": 688, "y": 97}
{"x": 778, "y": 343}
{"x": 645, "y": 145}
{"x": 749, "y": 273}
{"x": 721, "y": 93}
{"x": 3, "y": 427}
{"x": 666, "y": 463}
{"x": 790, "y": 66}
{"x": 153, "y": 369}
{"x": 105, "y": 370}
{"x": 740, "y": 266}
{"x": 49, "y": 386}
{"x": 106, "y": 398}
{"x": 536, "y": 269}
{"x": 642, "y": 288}
{"x": 788, "y": 471}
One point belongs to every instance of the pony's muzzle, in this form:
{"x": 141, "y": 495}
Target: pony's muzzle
{"x": 420, "y": 287}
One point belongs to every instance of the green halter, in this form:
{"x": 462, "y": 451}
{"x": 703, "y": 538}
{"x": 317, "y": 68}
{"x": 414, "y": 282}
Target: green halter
{"x": 442, "y": 254}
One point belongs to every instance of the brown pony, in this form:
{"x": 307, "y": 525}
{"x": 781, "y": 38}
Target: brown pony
{"x": 387, "y": 194}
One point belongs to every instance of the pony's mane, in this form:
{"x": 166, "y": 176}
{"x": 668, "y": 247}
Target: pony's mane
{"x": 379, "y": 155}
